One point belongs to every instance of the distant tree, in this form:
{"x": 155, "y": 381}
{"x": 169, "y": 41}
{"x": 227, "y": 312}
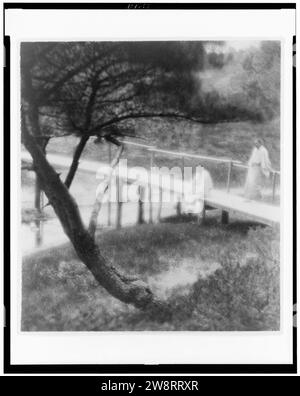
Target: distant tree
{"x": 245, "y": 85}
{"x": 216, "y": 60}
{"x": 262, "y": 79}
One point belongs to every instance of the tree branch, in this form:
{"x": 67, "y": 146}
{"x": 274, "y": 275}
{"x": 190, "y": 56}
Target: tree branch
{"x": 45, "y": 94}
{"x": 156, "y": 115}
{"x": 84, "y": 139}
{"x": 99, "y": 198}
{"x": 75, "y": 162}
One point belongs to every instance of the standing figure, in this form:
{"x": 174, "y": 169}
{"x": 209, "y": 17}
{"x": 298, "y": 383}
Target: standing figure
{"x": 259, "y": 168}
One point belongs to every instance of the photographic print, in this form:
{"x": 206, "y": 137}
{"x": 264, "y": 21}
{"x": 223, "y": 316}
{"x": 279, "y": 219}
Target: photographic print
{"x": 150, "y": 185}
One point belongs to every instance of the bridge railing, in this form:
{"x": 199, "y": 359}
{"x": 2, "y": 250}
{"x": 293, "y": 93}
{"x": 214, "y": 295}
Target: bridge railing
{"x": 224, "y": 160}
{"x": 275, "y": 176}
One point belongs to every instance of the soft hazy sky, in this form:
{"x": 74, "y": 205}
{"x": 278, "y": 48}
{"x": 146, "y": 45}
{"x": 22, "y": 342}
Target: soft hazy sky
{"x": 242, "y": 44}
{"x": 235, "y": 44}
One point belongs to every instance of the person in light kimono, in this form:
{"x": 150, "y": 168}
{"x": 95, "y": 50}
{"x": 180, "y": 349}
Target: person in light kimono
{"x": 259, "y": 169}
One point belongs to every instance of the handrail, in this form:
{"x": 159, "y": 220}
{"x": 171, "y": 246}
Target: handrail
{"x": 176, "y": 153}
{"x": 154, "y": 149}
{"x": 137, "y": 144}
{"x": 197, "y": 156}
{"x": 247, "y": 167}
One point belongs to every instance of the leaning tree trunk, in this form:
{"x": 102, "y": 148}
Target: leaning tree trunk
{"x": 38, "y": 204}
{"x": 75, "y": 161}
{"x": 126, "y": 289}
{"x": 74, "y": 164}
{"x": 37, "y": 195}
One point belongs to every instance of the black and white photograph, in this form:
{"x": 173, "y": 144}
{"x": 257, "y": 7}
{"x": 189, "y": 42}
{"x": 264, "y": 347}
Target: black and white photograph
{"x": 152, "y": 199}
{"x": 150, "y": 185}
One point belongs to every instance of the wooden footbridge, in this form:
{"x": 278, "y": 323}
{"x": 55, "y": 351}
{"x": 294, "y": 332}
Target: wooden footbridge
{"x": 223, "y": 199}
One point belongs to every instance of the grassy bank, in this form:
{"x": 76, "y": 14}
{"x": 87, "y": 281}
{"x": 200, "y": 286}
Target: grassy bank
{"x": 232, "y": 139}
{"x": 215, "y": 277}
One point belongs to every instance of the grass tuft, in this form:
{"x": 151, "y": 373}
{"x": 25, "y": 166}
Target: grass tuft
{"x": 215, "y": 278}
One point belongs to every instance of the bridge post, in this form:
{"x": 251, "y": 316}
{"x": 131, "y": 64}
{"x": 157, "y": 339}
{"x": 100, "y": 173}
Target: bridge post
{"x": 179, "y": 206}
{"x": 274, "y": 187}
{"x": 229, "y": 176}
{"x": 38, "y": 204}
{"x": 150, "y": 188}
{"x": 119, "y": 202}
{"x": 141, "y": 193}
{"x": 224, "y": 217}
{"x": 202, "y": 216}
{"x": 160, "y": 198}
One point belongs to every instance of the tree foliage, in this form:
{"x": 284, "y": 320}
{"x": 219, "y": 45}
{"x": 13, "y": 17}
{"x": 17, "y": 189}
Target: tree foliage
{"x": 85, "y": 88}
{"x": 247, "y": 84}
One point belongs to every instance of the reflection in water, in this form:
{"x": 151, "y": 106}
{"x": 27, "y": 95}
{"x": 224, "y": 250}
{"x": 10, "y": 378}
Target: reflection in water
{"x": 39, "y": 233}
{"x": 48, "y": 231}
{"x": 37, "y": 229}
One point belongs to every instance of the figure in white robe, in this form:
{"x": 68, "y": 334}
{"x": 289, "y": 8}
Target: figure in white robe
{"x": 196, "y": 190}
{"x": 259, "y": 169}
